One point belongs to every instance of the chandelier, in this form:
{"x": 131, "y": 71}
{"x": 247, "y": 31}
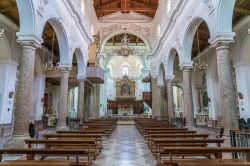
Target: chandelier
{"x": 125, "y": 50}
{"x": 49, "y": 65}
{"x": 201, "y": 65}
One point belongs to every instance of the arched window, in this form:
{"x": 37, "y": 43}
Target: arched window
{"x": 158, "y": 30}
{"x": 125, "y": 71}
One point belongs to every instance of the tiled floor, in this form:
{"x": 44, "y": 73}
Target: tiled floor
{"x": 125, "y": 147}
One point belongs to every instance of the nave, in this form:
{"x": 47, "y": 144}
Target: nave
{"x": 125, "y": 147}
{"x": 143, "y": 142}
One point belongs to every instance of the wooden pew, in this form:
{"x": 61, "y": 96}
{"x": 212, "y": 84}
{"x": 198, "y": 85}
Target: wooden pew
{"x": 89, "y": 145}
{"x": 31, "y": 153}
{"x": 215, "y": 164}
{"x": 35, "y": 163}
{"x": 159, "y": 144}
{"x": 102, "y": 132}
{"x": 216, "y": 152}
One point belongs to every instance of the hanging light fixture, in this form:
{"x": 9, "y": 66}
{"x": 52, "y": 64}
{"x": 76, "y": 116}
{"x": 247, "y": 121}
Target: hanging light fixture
{"x": 201, "y": 65}
{"x": 125, "y": 50}
{"x": 50, "y": 67}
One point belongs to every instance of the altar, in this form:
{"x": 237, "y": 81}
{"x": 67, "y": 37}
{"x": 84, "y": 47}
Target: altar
{"x": 124, "y": 111}
{"x": 125, "y": 103}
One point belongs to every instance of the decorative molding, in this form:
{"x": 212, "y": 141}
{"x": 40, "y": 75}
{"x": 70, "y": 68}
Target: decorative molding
{"x": 224, "y": 38}
{"x": 210, "y": 6}
{"x": 41, "y": 5}
{"x": 125, "y": 26}
{"x": 29, "y": 38}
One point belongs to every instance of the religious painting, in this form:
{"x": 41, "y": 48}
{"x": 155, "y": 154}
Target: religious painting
{"x": 125, "y": 90}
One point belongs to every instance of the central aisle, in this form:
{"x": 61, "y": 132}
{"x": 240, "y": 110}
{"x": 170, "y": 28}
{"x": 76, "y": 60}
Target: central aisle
{"x": 125, "y": 147}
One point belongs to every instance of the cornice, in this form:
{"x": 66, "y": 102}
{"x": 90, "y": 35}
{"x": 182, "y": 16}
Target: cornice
{"x": 171, "y": 22}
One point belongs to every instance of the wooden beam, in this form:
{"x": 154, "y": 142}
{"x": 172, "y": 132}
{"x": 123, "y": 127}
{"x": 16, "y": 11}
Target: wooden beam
{"x": 242, "y": 11}
{"x": 108, "y": 4}
{"x": 130, "y": 9}
{"x": 144, "y": 4}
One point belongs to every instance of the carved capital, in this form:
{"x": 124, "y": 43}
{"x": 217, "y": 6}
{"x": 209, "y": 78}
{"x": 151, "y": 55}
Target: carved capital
{"x": 30, "y": 40}
{"x": 169, "y": 78}
{"x": 186, "y": 65}
{"x": 64, "y": 66}
{"x": 81, "y": 78}
{"x": 222, "y": 39}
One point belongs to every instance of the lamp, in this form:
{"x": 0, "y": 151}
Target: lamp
{"x": 50, "y": 67}
{"x": 125, "y": 50}
{"x": 201, "y": 65}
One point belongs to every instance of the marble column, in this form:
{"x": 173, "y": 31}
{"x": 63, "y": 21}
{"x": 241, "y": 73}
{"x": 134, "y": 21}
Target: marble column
{"x": 155, "y": 98}
{"x": 188, "y": 98}
{"x": 170, "y": 99}
{"x": 62, "y": 114}
{"x": 23, "y": 105}
{"x": 227, "y": 91}
{"x": 80, "y": 104}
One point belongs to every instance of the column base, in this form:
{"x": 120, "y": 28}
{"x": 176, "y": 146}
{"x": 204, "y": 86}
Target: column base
{"x": 16, "y": 141}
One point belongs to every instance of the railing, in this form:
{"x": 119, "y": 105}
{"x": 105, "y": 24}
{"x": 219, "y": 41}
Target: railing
{"x": 239, "y": 139}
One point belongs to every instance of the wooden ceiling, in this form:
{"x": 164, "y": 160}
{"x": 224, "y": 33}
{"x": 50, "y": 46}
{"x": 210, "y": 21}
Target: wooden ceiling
{"x": 241, "y": 10}
{"x": 144, "y": 7}
{"x": 116, "y": 40}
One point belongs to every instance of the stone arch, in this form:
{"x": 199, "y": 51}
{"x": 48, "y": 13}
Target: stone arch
{"x": 225, "y": 15}
{"x": 110, "y": 35}
{"x": 81, "y": 64}
{"x": 170, "y": 62}
{"x": 188, "y": 39}
{"x": 62, "y": 37}
{"x": 26, "y": 16}
{"x": 5, "y": 53}
{"x": 245, "y": 50}
{"x": 161, "y": 75}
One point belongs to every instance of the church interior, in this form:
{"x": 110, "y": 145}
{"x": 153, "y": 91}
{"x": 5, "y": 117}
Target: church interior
{"x": 124, "y": 82}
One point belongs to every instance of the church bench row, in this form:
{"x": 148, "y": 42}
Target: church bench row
{"x": 215, "y": 154}
{"x": 89, "y": 145}
{"x": 32, "y": 153}
{"x": 54, "y": 145}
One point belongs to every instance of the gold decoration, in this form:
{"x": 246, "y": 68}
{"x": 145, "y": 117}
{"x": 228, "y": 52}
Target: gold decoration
{"x": 50, "y": 67}
{"x": 125, "y": 50}
{"x": 201, "y": 65}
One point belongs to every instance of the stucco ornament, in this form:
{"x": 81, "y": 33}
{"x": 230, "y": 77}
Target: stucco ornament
{"x": 210, "y": 6}
{"x": 41, "y": 5}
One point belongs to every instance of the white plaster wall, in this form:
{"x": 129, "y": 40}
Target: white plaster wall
{"x": 37, "y": 96}
{"x": 7, "y": 85}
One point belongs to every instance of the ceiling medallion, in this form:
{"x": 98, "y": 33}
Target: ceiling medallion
{"x": 125, "y": 50}
{"x": 199, "y": 65}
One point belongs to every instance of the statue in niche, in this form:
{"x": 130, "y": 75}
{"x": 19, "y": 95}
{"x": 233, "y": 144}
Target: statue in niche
{"x": 125, "y": 90}
{"x": 205, "y": 99}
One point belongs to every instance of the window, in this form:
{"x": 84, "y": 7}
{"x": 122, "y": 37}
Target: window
{"x": 92, "y": 29}
{"x": 125, "y": 71}
{"x": 158, "y": 30}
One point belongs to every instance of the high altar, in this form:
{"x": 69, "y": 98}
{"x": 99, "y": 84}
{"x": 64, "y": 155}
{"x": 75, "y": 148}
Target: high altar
{"x": 125, "y": 96}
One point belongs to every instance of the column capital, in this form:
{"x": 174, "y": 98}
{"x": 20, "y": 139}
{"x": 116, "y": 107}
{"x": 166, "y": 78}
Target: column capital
{"x": 64, "y": 66}
{"x": 169, "y": 78}
{"x": 223, "y": 39}
{"x": 81, "y": 78}
{"x": 30, "y": 40}
{"x": 186, "y": 65}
